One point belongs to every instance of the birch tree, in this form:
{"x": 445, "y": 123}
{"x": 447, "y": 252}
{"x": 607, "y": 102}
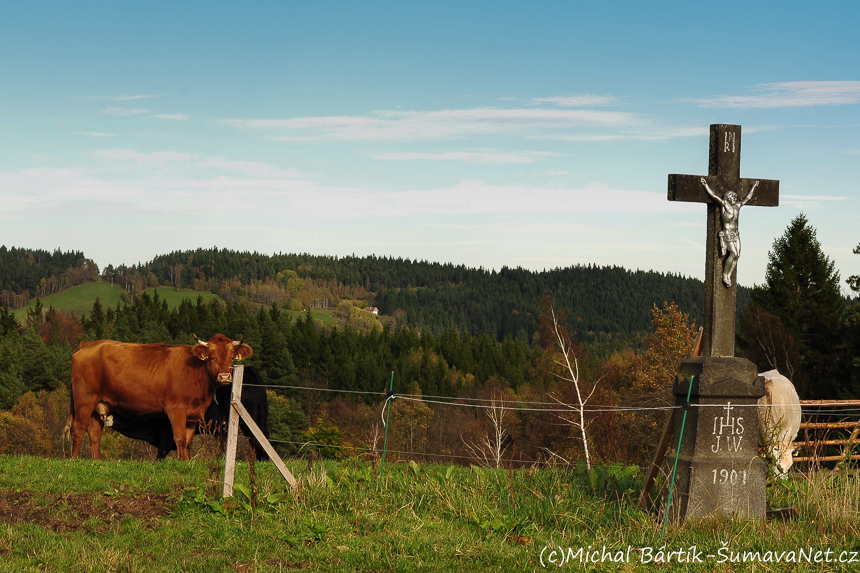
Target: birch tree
{"x": 491, "y": 446}
{"x": 564, "y": 366}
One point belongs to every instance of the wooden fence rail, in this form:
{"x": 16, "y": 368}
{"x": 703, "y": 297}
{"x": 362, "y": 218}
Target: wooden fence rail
{"x": 815, "y": 436}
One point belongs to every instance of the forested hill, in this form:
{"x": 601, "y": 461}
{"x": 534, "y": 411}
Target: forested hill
{"x": 26, "y": 273}
{"x": 600, "y": 301}
{"x": 438, "y": 296}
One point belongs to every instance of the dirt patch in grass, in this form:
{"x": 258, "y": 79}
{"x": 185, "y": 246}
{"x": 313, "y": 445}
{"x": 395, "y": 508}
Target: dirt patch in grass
{"x": 80, "y": 511}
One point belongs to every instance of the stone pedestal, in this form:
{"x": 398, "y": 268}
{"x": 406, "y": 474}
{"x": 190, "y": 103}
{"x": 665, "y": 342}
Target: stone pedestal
{"x": 719, "y": 471}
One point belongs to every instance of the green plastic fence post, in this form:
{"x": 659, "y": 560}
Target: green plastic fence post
{"x": 387, "y": 419}
{"x": 677, "y": 454}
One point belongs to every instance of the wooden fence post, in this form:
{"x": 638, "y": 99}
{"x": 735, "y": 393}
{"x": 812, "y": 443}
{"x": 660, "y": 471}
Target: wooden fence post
{"x": 233, "y": 431}
{"x": 237, "y": 411}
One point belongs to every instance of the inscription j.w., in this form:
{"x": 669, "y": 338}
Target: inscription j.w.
{"x": 728, "y": 431}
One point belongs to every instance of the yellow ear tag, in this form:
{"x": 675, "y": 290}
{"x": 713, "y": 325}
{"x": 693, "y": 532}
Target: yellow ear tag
{"x": 238, "y": 357}
{"x": 203, "y": 358}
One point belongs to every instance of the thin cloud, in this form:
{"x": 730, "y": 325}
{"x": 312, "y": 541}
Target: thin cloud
{"x": 225, "y": 186}
{"x": 194, "y": 164}
{"x": 122, "y": 111}
{"x": 577, "y": 100}
{"x": 472, "y": 197}
{"x": 461, "y": 156}
{"x": 441, "y": 124}
{"x": 171, "y": 116}
{"x": 699, "y": 246}
{"x": 119, "y": 98}
{"x": 809, "y": 201}
{"x": 638, "y": 133}
{"x": 788, "y": 94}
{"x": 155, "y": 158}
{"x": 814, "y": 197}
{"x": 132, "y": 97}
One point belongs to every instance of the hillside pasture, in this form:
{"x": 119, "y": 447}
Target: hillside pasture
{"x": 80, "y": 299}
{"x": 77, "y": 299}
{"x": 82, "y": 515}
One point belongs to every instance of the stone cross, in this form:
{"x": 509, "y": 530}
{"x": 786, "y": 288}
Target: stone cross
{"x": 718, "y": 468}
{"x": 724, "y": 168}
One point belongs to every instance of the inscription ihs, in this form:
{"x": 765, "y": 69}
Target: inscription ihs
{"x": 728, "y": 431}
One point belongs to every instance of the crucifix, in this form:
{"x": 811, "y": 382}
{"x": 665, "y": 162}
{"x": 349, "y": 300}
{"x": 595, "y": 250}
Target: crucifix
{"x": 725, "y": 193}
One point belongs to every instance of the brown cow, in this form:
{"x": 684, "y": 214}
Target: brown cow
{"x": 147, "y": 380}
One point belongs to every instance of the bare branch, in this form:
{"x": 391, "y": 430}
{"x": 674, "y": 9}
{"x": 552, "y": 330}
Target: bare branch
{"x": 573, "y": 370}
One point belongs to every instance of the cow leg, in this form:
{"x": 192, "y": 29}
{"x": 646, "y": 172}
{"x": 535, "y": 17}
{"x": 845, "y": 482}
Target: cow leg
{"x": 165, "y": 444}
{"x": 95, "y": 432}
{"x": 190, "y": 427}
{"x": 177, "y": 424}
{"x": 83, "y": 417}
{"x": 78, "y": 430}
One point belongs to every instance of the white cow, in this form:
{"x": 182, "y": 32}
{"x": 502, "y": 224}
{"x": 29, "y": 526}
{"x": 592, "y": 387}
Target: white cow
{"x": 779, "y": 419}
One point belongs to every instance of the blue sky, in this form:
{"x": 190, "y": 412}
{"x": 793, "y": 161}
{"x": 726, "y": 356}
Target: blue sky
{"x": 492, "y": 134}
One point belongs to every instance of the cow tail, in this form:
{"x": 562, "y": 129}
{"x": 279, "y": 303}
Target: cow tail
{"x": 67, "y": 431}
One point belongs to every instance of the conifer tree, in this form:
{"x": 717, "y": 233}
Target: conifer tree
{"x": 802, "y": 291}
{"x": 852, "y": 339}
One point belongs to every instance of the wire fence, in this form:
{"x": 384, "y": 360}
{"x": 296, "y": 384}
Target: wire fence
{"x": 848, "y": 407}
{"x": 466, "y": 452}
{"x": 817, "y": 409}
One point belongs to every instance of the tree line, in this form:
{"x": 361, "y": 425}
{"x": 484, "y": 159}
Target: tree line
{"x": 27, "y": 273}
{"x": 607, "y": 300}
{"x": 333, "y": 377}
{"x": 328, "y": 383}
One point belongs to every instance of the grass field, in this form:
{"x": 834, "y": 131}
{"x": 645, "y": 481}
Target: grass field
{"x": 81, "y": 515}
{"x": 77, "y": 299}
{"x": 80, "y": 299}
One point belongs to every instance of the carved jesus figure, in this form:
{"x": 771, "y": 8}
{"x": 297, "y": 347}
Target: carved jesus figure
{"x": 730, "y": 239}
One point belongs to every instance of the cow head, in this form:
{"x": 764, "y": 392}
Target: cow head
{"x": 219, "y": 354}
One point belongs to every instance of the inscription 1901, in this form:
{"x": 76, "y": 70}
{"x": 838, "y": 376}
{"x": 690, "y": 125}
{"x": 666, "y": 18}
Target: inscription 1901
{"x": 728, "y": 431}
{"x": 731, "y": 477}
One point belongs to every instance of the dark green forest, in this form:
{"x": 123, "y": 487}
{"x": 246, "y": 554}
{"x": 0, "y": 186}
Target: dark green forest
{"x": 444, "y": 331}
{"x": 27, "y": 273}
{"x": 437, "y": 297}
{"x": 603, "y": 302}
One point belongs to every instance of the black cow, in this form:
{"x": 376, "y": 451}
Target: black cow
{"x": 158, "y": 432}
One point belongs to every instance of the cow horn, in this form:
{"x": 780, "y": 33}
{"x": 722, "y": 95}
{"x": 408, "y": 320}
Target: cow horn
{"x": 197, "y": 339}
{"x": 237, "y": 343}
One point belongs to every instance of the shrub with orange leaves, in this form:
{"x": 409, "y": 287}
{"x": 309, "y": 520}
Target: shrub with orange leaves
{"x": 645, "y": 380}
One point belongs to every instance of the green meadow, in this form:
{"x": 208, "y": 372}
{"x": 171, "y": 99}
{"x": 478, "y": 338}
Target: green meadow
{"x": 80, "y": 299}
{"x": 77, "y": 299}
{"x": 83, "y": 515}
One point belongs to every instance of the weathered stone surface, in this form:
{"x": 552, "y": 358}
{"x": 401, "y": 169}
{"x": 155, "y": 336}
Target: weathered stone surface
{"x": 719, "y": 377}
{"x": 719, "y": 471}
{"x": 724, "y": 165}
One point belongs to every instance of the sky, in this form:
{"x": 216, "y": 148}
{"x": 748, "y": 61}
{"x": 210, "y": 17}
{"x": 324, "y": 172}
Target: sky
{"x": 489, "y": 134}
